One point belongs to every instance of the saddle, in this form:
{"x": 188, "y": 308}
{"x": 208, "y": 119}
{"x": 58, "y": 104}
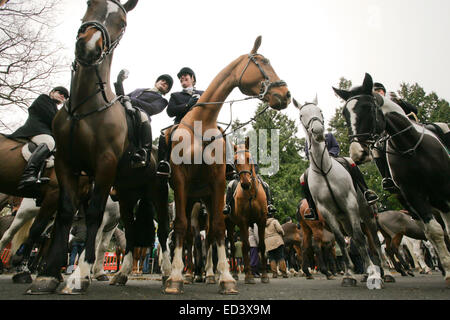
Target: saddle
{"x": 443, "y": 134}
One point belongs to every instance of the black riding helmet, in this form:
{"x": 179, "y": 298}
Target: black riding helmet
{"x": 379, "y": 86}
{"x": 186, "y": 70}
{"x": 62, "y": 90}
{"x": 168, "y": 79}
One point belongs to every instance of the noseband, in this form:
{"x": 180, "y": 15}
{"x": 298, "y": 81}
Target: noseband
{"x": 108, "y": 46}
{"x": 311, "y": 121}
{"x": 245, "y": 171}
{"x": 266, "y": 84}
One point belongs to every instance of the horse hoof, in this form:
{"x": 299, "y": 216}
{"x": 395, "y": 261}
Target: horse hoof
{"x": 235, "y": 276}
{"x": 228, "y": 288}
{"x": 210, "y": 279}
{"x": 250, "y": 280}
{"x": 264, "y": 278}
{"x": 389, "y": 278}
{"x": 198, "y": 279}
{"x": 374, "y": 283}
{"x": 410, "y": 273}
{"x": 102, "y": 277}
{"x": 43, "y": 285}
{"x": 164, "y": 280}
{"x": 447, "y": 282}
{"x": 310, "y": 277}
{"x": 173, "y": 287}
{"x": 188, "y": 279}
{"x": 348, "y": 282}
{"x": 364, "y": 278}
{"x": 71, "y": 289}
{"x": 119, "y": 280}
{"x": 23, "y": 277}
{"x": 330, "y": 277}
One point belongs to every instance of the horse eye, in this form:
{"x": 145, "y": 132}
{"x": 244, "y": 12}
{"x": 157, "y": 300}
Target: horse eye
{"x": 88, "y": 3}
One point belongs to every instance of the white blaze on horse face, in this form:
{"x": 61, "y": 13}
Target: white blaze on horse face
{"x": 350, "y": 107}
{"x": 111, "y": 8}
{"x": 90, "y": 45}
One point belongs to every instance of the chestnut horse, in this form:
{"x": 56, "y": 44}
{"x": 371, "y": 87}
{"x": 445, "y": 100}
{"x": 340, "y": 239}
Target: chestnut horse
{"x": 250, "y": 206}
{"x": 91, "y": 134}
{"x": 254, "y": 76}
{"x": 314, "y": 241}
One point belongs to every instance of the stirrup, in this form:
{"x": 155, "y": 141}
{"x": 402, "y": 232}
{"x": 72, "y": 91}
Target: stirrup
{"x": 139, "y": 159}
{"x": 226, "y": 209}
{"x": 367, "y": 193}
{"x": 389, "y": 185}
{"x": 164, "y": 171}
{"x": 310, "y": 215}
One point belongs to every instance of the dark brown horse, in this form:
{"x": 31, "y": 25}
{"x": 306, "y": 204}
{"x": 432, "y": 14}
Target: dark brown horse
{"x": 250, "y": 206}
{"x": 205, "y": 178}
{"x": 293, "y": 239}
{"x": 91, "y": 134}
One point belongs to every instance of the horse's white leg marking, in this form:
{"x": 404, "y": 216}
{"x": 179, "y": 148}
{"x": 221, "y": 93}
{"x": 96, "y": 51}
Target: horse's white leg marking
{"x": 166, "y": 266}
{"x": 177, "y": 265}
{"x": 209, "y": 263}
{"x": 83, "y": 271}
{"x": 127, "y": 264}
{"x": 222, "y": 265}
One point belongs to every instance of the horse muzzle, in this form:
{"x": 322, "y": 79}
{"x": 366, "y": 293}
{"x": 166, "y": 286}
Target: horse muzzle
{"x": 359, "y": 153}
{"x": 245, "y": 185}
{"x": 278, "y": 101}
{"x": 93, "y": 41}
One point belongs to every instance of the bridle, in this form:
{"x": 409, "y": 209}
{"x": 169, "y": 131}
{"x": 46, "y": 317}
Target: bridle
{"x": 253, "y": 178}
{"x": 371, "y": 139}
{"x": 107, "y": 45}
{"x": 367, "y": 138}
{"x": 107, "y": 48}
{"x": 266, "y": 84}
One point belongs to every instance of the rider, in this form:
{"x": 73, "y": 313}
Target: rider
{"x": 357, "y": 177}
{"x": 180, "y": 103}
{"x": 231, "y": 187}
{"x": 410, "y": 110}
{"x": 38, "y": 128}
{"x": 151, "y": 102}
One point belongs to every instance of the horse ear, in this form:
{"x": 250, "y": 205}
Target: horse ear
{"x": 130, "y": 5}
{"x": 247, "y": 143}
{"x": 256, "y": 45}
{"x": 296, "y": 104}
{"x": 315, "y": 100}
{"x": 342, "y": 93}
{"x": 368, "y": 84}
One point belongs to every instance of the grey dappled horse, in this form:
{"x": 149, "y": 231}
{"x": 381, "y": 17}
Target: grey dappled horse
{"x": 332, "y": 189}
{"x": 417, "y": 159}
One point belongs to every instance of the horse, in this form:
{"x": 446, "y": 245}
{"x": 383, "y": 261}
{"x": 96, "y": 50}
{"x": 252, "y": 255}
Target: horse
{"x": 316, "y": 240}
{"x": 417, "y": 159}
{"x": 91, "y": 135}
{"x": 254, "y": 76}
{"x": 250, "y": 206}
{"x": 342, "y": 206}
{"x": 293, "y": 238}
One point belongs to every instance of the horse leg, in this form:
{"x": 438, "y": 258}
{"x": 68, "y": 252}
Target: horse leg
{"x": 243, "y": 231}
{"x": 262, "y": 250}
{"x": 307, "y": 247}
{"x": 174, "y": 284}
{"x": 216, "y": 234}
{"x": 230, "y": 232}
{"x": 395, "y": 245}
{"x": 318, "y": 247}
{"x": 161, "y": 196}
{"x": 127, "y": 202}
{"x": 49, "y": 274}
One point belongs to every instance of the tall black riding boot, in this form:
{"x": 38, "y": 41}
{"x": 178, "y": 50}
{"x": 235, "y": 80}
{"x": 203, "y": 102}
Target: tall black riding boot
{"x": 142, "y": 156}
{"x": 229, "y": 196}
{"x": 270, "y": 207}
{"x": 357, "y": 176}
{"x": 31, "y": 174}
{"x": 163, "y": 169}
{"x": 387, "y": 182}
{"x": 312, "y": 213}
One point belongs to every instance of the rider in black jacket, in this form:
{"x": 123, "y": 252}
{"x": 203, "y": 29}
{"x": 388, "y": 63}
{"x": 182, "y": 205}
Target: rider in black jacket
{"x": 38, "y": 128}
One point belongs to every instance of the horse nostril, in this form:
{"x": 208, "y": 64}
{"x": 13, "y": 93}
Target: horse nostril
{"x": 288, "y": 95}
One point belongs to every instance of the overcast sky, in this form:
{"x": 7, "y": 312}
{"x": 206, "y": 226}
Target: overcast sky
{"x": 310, "y": 44}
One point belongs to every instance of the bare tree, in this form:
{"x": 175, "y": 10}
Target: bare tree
{"x": 29, "y": 58}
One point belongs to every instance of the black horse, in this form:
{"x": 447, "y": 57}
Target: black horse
{"x": 418, "y": 161}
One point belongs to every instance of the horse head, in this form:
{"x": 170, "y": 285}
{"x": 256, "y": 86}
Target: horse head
{"x": 103, "y": 25}
{"x": 244, "y": 164}
{"x": 258, "y": 78}
{"x": 364, "y": 118}
{"x": 311, "y": 118}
